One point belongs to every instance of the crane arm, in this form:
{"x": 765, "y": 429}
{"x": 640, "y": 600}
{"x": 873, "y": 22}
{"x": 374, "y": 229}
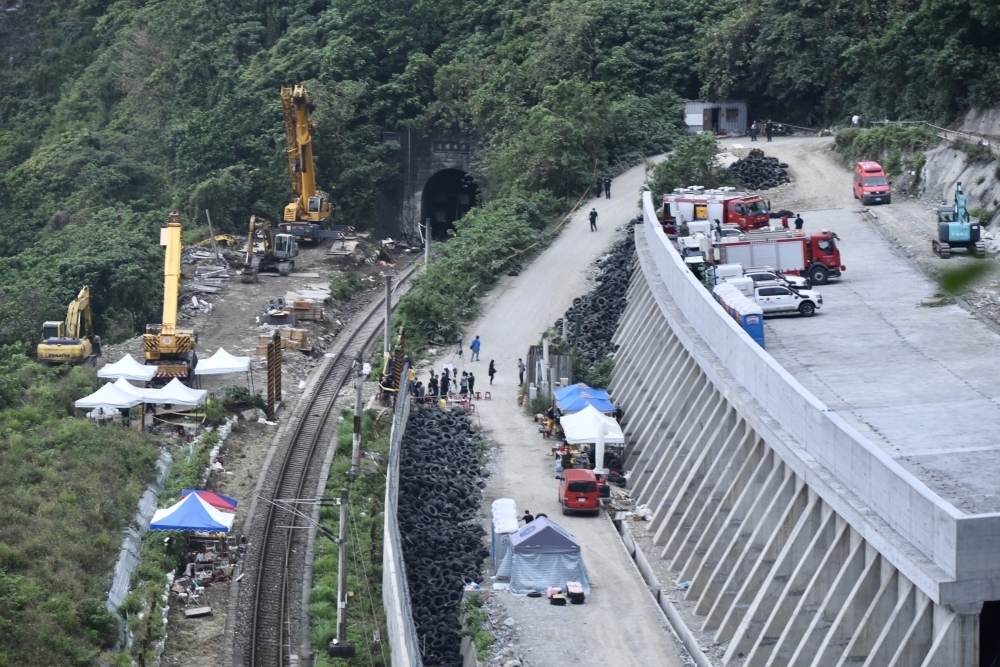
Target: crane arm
{"x": 170, "y": 237}
{"x": 79, "y": 309}
{"x": 295, "y": 104}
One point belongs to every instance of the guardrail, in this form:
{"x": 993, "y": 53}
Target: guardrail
{"x": 949, "y": 135}
{"x": 964, "y": 547}
{"x": 395, "y": 590}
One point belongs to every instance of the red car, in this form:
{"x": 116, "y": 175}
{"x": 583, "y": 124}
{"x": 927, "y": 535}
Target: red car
{"x": 579, "y": 492}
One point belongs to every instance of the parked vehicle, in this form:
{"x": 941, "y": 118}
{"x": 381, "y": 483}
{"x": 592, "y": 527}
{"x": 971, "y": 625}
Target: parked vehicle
{"x": 814, "y": 256}
{"x": 957, "y": 229}
{"x": 707, "y": 210}
{"x": 765, "y": 277}
{"x": 870, "y": 184}
{"x": 579, "y": 492}
{"x": 775, "y": 300}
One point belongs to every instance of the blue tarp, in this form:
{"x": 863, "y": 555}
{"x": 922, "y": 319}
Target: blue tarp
{"x": 192, "y": 513}
{"x": 578, "y": 396}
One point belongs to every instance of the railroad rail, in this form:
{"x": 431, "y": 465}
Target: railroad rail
{"x": 268, "y": 640}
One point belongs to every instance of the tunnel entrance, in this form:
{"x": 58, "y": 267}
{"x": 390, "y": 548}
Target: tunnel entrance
{"x": 989, "y": 634}
{"x": 447, "y": 196}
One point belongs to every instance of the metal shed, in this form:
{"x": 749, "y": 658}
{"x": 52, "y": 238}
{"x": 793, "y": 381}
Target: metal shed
{"x": 725, "y": 116}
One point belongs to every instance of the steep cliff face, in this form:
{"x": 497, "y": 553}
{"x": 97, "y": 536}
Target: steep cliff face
{"x": 948, "y": 164}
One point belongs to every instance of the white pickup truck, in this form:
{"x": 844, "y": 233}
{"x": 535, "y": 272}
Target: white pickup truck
{"x": 776, "y": 299}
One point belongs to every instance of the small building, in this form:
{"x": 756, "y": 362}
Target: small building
{"x": 720, "y": 116}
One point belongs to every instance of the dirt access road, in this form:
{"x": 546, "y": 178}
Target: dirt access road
{"x": 620, "y": 623}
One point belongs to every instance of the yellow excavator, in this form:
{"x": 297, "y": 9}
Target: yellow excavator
{"x": 72, "y": 340}
{"x": 309, "y": 217}
{"x": 165, "y": 346}
{"x": 277, "y": 252}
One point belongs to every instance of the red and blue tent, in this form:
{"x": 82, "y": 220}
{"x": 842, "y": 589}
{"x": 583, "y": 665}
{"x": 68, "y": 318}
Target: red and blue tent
{"x": 216, "y": 500}
{"x": 192, "y": 513}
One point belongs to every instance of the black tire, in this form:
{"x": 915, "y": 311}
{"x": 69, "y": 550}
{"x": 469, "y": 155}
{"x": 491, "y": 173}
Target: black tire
{"x": 565, "y": 511}
{"x": 818, "y": 275}
{"x": 807, "y": 309}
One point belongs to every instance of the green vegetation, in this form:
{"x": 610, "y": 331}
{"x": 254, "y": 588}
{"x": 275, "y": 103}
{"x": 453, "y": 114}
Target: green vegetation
{"x": 345, "y": 286}
{"x": 898, "y": 148}
{"x": 812, "y": 63}
{"x": 365, "y": 616}
{"x": 474, "y": 616}
{"x": 694, "y": 161}
{"x": 485, "y": 243}
{"x": 976, "y": 151}
{"x": 67, "y": 489}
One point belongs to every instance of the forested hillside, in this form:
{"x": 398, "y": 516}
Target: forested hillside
{"x": 111, "y": 113}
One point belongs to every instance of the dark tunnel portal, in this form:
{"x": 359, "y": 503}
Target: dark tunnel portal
{"x": 447, "y": 196}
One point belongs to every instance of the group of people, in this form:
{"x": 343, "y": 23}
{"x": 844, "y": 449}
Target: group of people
{"x": 798, "y": 221}
{"x": 755, "y": 128}
{"x": 603, "y": 185}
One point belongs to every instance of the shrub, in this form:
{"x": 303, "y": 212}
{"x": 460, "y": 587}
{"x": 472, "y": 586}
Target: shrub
{"x": 695, "y": 161}
{"x": 345, "y": 286}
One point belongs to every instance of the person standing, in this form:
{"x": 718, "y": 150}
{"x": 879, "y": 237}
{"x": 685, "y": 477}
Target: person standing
{"x": 769, "y": 129}
{"x": 607, "y": 187}
{"x": 492, "y": 371}
{"x": 593, "y": 219}
{"x": 855, "y": 120}
{"x": 472, "y": 385}
{"x": 412, "y": 377}
{"x": 445, "y": 384}
{"x": 432, "y": 388}
{"x": 599, "y": 188}
{"x": 476, "y": 344}
{"x": 799, "y": 222}
{"x": 784, "y": 221}
{"x": 520, "y": 371}
{"x": 754, "y": 131}
{"x": 463, "y": 390}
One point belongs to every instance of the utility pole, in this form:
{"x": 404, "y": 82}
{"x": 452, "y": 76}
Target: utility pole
{"x": 340, "y": 647}
{"x": 388, "y": 312}
{"x": 215, "y": 246}
{"x": 427, "y": 243}
{"x": 359, "y": 383}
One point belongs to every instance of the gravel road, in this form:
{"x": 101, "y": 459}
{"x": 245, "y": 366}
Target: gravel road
{"x": 620, "y": 623}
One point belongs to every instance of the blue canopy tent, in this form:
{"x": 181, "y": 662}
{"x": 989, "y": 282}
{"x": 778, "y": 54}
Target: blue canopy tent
{"x": 578, "y": 396}
{"x": 542, "y": 554}
{"x": 192, "y": 513}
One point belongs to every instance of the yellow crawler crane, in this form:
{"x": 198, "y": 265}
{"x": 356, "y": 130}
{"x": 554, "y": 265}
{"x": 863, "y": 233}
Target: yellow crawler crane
{"x": 310, "y": 212}
{"x": 165, "y": 346}
{"x": 72, "y": 340}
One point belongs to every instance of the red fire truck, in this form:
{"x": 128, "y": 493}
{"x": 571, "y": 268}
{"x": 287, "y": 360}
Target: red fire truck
{"x": 702, "y": 208}
{"x": 814, "y": 256}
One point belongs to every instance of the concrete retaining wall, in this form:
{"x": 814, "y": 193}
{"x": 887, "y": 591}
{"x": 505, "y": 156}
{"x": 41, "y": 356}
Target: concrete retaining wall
{"x": 920, "y": 517}
{"x": 402, "y": 637}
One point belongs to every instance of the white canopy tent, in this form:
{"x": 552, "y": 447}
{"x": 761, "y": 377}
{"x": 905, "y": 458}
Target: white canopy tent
{"x": 585, "y": 426}
{"x": 222, "y": 362}
{"x": 128, "y": 388}
{"x": 176, "y": 394}
{"x": 128, "y": 368}
{"x": 109, "y": 396}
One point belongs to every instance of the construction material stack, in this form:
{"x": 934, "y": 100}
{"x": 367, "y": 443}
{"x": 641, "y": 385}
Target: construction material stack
{"x": 956, "y": 229}
{"x": 165, "y": 346}
{"x": 73, "y": 339}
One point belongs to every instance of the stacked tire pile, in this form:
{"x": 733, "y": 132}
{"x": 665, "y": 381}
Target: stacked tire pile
{"x": 600, "y": 308}
{"x": 759, "y": 172}
{"x": 443, "y": 548}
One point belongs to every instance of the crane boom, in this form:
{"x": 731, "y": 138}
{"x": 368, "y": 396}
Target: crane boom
{"x": 170, "y": 349}
{"x": 170, "y": 236}
{"x": 310, "y": 205}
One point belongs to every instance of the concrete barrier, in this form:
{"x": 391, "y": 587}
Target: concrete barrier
{"x": 962, "y": 546}
{"x": 402, "y": 633}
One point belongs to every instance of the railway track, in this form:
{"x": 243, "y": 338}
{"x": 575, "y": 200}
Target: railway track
{"x": 275, "y": 538}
